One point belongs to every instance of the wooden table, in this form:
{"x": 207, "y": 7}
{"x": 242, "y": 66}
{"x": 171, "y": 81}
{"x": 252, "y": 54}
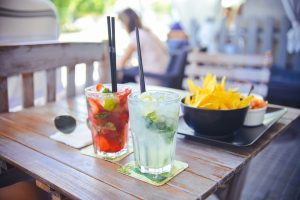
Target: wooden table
{"x": 25, "y": 143}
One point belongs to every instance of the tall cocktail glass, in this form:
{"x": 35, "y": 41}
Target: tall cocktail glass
{"x": 108, "y": 119}
{"x": 153, "y": 123}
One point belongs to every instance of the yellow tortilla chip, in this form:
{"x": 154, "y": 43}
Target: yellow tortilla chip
{"x": 213, "y": 95}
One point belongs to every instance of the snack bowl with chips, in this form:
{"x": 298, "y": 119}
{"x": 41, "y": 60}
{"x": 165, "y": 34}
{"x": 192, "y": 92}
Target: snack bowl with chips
{"x": 212, "y": 110}
{"x": 213, "y": 123}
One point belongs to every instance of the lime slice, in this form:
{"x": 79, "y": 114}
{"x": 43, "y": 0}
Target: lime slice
{"x": 149, "y": 108}
{"x": 152, "y": 116}
{"x": 109, "y": 104}
{"x": 146, "y": 97}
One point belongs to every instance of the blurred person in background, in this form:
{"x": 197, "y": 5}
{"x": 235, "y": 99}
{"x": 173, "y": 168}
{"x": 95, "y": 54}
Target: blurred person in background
{"x": 177, "y": 38}
{"x": 154, "y": 53}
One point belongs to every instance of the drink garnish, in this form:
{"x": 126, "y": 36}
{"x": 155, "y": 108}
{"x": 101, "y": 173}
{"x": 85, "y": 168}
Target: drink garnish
{"x": 95, "y": 106}
{"x": 160, "y": 123}
{"x": 110, "y": 126}
{"x": 109, "y": 104}
{"x": 102, "y": 89}
{"x": 101, "y": 115}
{"x": 146, "y": 97}
{"x": 99, "y": 87}
{"x": 152, "y": 116}
{"x": 106, "y": 90}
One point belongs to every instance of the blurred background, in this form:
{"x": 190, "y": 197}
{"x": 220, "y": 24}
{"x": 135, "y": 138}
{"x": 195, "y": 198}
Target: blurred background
{"x": 211, "y": 26}
{"x": 227, "y": 26}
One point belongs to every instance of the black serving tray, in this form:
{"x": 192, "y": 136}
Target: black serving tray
{"x": 245, "y": 136}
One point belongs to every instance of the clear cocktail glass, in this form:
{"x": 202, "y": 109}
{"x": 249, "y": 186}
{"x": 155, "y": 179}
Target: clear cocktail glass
{"x": 153, "y": 123}
{"x": 108, "y": 119}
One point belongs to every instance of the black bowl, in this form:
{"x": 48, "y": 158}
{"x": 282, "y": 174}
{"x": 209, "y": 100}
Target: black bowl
{"x": 213, "y": 123}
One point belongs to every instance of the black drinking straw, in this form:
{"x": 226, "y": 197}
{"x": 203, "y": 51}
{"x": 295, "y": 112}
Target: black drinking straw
{"x": 141, "y": 70}
{"x": 112, "y": 53}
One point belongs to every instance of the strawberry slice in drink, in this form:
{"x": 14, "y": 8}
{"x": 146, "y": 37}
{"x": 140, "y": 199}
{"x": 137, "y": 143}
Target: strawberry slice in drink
{"x": 103, "y": 143}
{"x": 123, "y": 96}
{"x": 95, "y": 106}
{"x": 99, "y": 87}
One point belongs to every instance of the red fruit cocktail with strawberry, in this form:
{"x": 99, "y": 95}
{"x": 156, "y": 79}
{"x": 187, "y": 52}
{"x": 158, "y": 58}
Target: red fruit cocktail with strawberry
{"x": 108, "y": 118}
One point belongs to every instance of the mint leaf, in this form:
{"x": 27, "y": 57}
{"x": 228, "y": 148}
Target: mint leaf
{"x": 161, "y": 125}
{"x": 169, "y": 137}
{"x": 106, "y": 90}
{"x": 101, "y": 115}
{"x": 152, "y": 116}
{"x": 125, "y": 170}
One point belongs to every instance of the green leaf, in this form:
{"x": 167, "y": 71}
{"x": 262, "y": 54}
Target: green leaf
{"x": 101, "y": 115}
{"x": 125, "y": 170}
{"x": 106, "y": 90}
{"x": 152, "y": 116}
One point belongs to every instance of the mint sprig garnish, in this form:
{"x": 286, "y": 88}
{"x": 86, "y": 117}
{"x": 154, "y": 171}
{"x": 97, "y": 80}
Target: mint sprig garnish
{"x": 106, "y": 90}
{"x": 152, "y": 116}
{"x": 158, "y": 123}
{"x": 101, "y": 115}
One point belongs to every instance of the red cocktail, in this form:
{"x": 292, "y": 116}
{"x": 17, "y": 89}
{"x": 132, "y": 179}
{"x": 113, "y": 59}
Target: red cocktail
{"x": 108, "y": 117}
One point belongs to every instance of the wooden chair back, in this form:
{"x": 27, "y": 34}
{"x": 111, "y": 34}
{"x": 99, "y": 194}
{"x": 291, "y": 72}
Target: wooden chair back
{"x": 25, "y": 59}
{"x": 240, "y": 69}
{"x": 261, "y": 34}
{"x": 174, "y": 74}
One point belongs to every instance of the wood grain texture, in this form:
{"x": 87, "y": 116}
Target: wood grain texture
{"x": 261, "y": 35}
{"x": 28, "y": 90}
{"x": 4, "y": 95}
{"x": 89, "y": 74}
{"x": 254, "y": 60}
{"x": 37, "y": 57}
{"x": 26, "y": 58}
{"x": 62, "y": 178}
{"x": 210, "y": 165}
{"x": 266, "y": 38}
{"x": 239, "y": 69}
{"x": 252, "y": 36}
{"x": 231, "y": 73}
{"x": 281, "y": 53}
{"x": 97, "y": 168}
{"x": 51, "y": 85}
{"x": 104, "y": 69}
{"x": 71, "y": 88}
{"x": 235, "y": 188}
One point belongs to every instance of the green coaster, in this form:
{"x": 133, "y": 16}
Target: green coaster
{"x": 89, "y": 151}
{"x": 130, "y": 169}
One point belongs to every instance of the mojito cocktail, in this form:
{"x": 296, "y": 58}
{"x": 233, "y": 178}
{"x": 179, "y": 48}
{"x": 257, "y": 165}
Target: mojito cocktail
{"x": 108, "y": 118}
{"x": 153, "y": 123}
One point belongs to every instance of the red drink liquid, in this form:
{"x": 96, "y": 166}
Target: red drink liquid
{"x": 108, "y": 116}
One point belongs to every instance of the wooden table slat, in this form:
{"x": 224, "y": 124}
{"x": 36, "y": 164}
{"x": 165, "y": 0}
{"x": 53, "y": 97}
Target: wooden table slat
{"x": 97, "y": 168}
{"x": 210, "y": 164}
{"x": 203, "y": 166}
{"x": 54, "y": 173}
